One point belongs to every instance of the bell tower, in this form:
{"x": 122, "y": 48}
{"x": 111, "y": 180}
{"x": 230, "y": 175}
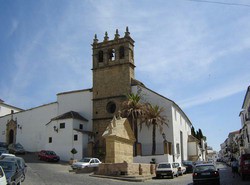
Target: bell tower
{"x": 113, "y": 70}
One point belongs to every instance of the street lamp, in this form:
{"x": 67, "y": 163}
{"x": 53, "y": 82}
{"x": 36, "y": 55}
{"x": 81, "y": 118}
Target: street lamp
{"x": 164, "y": 136}
{"x": 55, "y": 129}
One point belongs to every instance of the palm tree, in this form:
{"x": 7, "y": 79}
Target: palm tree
{"x": 133, "y": 110}
{"x": 153, "y": 116}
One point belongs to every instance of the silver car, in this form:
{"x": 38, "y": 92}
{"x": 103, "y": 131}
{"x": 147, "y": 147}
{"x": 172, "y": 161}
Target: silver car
{"x": 86, "y": 162}
{"x": 166, "y": 169}
{"x": 16, "y": 148}
{"x": 21, "y": 163}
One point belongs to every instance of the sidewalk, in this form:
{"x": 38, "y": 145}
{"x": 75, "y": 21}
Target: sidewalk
{"x": 126, "y": 177}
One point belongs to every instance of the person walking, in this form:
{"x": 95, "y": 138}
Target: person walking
{"x": 234, "y": 165}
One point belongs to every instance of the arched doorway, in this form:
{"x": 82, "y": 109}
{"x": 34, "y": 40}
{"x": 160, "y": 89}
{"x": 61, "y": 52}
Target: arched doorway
{"x": 11, "y": 136}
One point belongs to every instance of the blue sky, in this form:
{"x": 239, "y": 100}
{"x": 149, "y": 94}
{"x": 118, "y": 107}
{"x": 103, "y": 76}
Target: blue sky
{"x": 194, "y": 53}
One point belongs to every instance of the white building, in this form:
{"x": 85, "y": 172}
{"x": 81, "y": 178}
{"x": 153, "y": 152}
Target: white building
{"x": 176, "y": 132}
{"x": 7, "y": 109}
{"x": 71, "y": 115}
{"x": 77, "y": 116}
{"x": 245, "y": 124}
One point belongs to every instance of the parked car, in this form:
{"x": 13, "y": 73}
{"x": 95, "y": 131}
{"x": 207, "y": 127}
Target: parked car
{"x": 16, "y": 148}
{"x": 3, "y": 145}
{"x": 21, "y": 163}
{"x": 244, "y": 166}
{"x": 3, "y": 150}
{"x": 12, "y": 171}
{"x": 166, "y": 169}
{"x": 48, "y": 155}
{"x": 189, "y": 166}
{"x": 206, "y": 173}
{"x": 3, "y": 155}
{"x": 180, "y": 169}
{"x": 3, "y": 180}
{"x": 86, "y": 162}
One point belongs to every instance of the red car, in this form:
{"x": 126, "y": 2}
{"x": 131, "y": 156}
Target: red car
{"x": 244, "y": 166}
{"x": 48, "y": 155}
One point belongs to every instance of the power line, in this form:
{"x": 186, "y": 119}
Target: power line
{"x": 222, "y": 3}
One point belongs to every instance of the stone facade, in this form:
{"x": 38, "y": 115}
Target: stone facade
{"x": 134, "y": 169}
{"x": 113, "y": 70}
{"x": 11, "y": 130}
{"x": 119, "y": 141}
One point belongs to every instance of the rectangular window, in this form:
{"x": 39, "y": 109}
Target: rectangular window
{"x": 50, "y": 139}
{"x": 75, "y": 137}
{"x": 178, "y": 148}
{"x": 62, "y": 125}
{"x": 81, "y": 126}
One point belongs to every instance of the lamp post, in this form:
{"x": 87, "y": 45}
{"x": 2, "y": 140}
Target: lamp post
{"x": 164, "y": 136}
{"x": 55, "y": 129}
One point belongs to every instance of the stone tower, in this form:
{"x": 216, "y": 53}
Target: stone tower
{"x": 113, "y": 71}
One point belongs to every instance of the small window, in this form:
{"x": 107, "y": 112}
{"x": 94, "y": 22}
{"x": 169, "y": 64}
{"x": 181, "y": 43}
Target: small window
{"x": 62, "y": 125}
{"x": 100, "y": 56}
{"x": 121, "y": 52}
{"x": 111, "y": 107}
{"x": 50, "y": 139}
{"x": 178, "y": 148}
{"x": 75, "y": 137}
{"x": 81, "y": 126}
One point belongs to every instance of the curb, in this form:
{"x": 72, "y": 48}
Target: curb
{"x": 124, "y": 178}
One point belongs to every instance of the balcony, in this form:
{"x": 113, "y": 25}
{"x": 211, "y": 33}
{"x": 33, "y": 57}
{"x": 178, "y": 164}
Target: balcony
{"x": 247, "y": 117}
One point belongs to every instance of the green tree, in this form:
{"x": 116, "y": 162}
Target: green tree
{"x": 153, "y": 117}
{"x": 193, "y": 132}
{"x": 133, "y": 110}
{"x": 199, "y": 134}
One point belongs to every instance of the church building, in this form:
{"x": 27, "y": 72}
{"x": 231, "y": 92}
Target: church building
{"x": 78, "y": 119}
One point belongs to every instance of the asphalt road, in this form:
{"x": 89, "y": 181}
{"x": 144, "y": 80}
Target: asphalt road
{"x": 44, "y": 173}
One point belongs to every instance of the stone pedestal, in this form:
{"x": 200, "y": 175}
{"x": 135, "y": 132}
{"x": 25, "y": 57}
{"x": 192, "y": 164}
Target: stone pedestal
{"x": 119, "y": 141}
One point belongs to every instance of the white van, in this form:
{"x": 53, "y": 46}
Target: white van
{"x": 3, "y": 180}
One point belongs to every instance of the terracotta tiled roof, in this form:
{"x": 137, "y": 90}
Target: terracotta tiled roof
{"x": 136, "y": 82}
{"x": 85, "y": 132}
{"x": 71, "y": 114}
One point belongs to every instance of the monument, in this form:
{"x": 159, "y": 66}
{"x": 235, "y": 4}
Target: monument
{"x": 119, "y": 141}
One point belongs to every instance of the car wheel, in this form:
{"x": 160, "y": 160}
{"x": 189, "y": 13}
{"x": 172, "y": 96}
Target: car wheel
{"x": 23, "y": 178}
{"x": 177, "y": 175}
{"x": 172, "y": 176}
{"x": 158, "y": 176}
{"x": 242, "y": 177}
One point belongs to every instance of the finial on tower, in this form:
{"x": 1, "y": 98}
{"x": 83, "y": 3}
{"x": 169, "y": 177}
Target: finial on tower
{"x": 106, "y": 38}
{"x": 127, "y": 33}
{"x": 95, "y": 41}
{"x": 117, "y": 34}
